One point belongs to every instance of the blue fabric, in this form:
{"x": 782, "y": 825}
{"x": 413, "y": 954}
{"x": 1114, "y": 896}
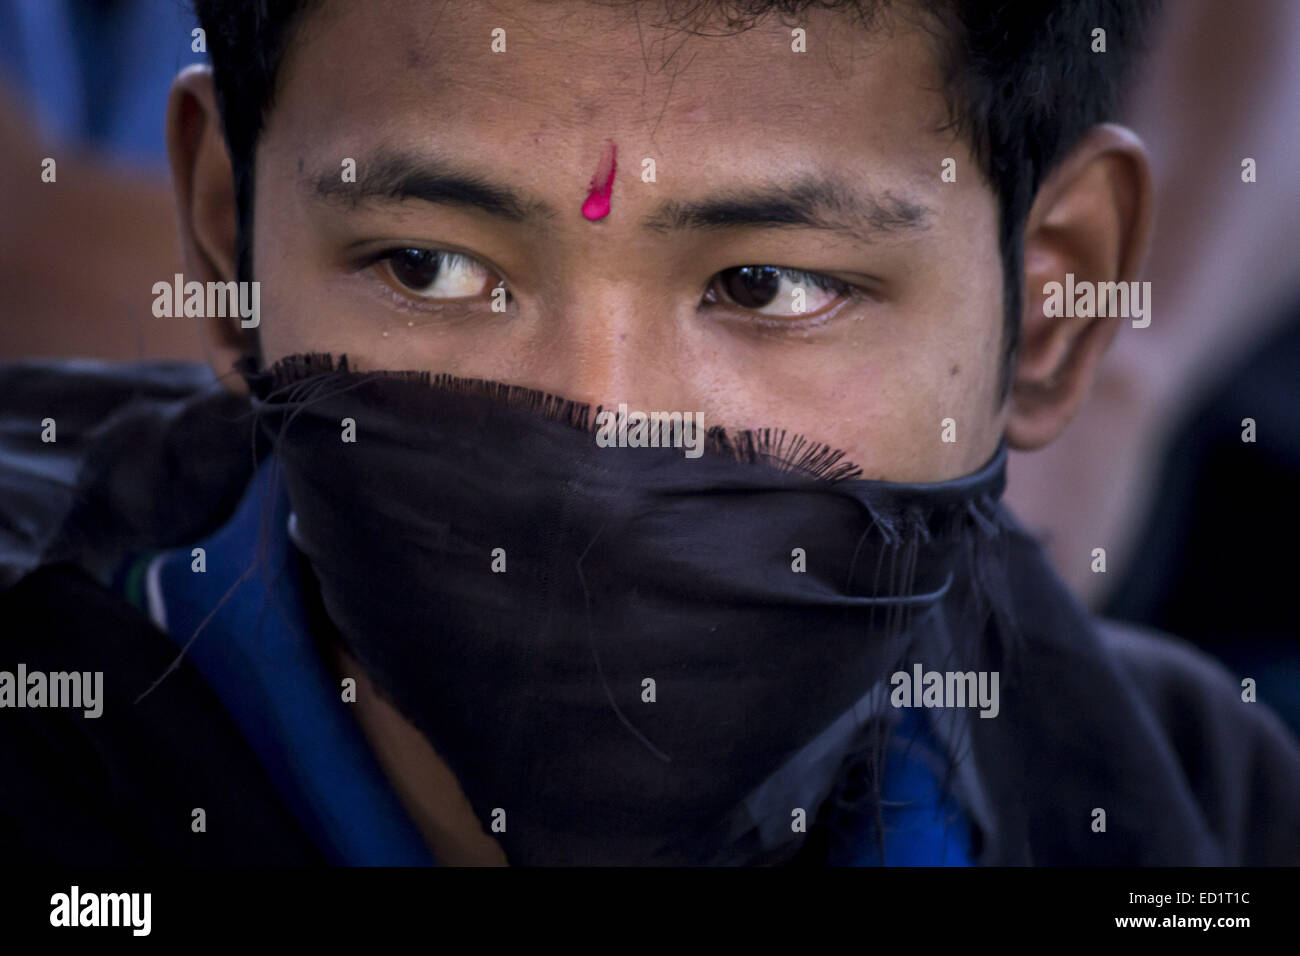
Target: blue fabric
{"x": 256, "y": 654}
{"x": 922, "y": 825}
{"x": 98, "y": 73}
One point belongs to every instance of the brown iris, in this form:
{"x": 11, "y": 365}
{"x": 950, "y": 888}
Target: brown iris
{"x": 751, "y": 287}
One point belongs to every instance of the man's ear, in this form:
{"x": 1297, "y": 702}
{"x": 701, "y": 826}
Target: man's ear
{"x": 1092, "y": 218}
{"x": 204, "y": 186}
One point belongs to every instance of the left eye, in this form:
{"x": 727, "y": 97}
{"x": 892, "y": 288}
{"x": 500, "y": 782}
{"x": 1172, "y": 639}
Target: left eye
{"x": 769, "y": 290}
{"x": 434, "y": 274}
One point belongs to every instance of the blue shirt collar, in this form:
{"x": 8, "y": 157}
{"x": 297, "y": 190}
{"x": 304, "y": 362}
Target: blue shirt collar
{"x": 257, "y": 654}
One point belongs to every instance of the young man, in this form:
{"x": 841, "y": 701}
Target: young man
{"x": 469, "y": 614}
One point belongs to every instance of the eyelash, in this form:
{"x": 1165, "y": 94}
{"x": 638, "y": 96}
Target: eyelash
{"x": 846, "y": 290}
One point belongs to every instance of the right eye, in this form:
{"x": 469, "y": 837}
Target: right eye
{"x": 432, "y": 274}
{"x": 778, "y": 292}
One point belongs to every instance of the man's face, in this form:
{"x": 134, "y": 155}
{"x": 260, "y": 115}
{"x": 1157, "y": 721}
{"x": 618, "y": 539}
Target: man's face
{"x": 650, "y": 305}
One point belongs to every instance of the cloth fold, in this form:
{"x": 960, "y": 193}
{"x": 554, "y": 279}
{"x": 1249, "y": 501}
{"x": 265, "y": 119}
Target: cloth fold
{"x": 615, "y": 648}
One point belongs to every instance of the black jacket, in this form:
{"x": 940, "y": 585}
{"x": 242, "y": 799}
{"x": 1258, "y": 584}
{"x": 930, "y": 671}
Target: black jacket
{"x": 154, "y": 455}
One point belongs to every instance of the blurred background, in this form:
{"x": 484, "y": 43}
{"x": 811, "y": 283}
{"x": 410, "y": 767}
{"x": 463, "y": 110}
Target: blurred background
{"x": 1201, "y": 530}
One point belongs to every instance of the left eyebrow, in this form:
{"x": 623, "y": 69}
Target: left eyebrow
{"x": 809, "y": 202}
{"x": 388, "y": 176}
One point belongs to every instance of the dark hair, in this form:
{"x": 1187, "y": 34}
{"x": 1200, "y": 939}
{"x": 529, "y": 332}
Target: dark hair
{"x": 1020, "y": 78}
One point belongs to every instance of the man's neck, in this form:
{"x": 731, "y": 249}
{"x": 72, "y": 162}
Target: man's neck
{"x": 422, "y": 780}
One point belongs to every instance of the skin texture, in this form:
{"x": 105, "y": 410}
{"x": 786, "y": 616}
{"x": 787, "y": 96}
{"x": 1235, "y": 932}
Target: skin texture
{"x": 612, "y": 311}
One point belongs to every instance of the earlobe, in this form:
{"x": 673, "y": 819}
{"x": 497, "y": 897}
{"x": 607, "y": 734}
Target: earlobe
{"x": 1088, "y": 227}
{"x": 204, "y": 188}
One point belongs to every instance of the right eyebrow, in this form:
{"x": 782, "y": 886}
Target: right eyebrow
{"x": 393, "y": 177}
{"x": 806, "y": 202}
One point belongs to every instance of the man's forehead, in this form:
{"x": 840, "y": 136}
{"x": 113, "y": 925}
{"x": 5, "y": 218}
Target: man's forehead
{"x": 724, "y": 110}
{"x": 575, "y": 61}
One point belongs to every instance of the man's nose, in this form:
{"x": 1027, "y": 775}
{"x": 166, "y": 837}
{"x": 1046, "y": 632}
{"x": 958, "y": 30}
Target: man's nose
{"x": 612, "y": 341}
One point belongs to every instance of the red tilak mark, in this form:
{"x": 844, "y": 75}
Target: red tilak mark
{"x": 602, "y": 184}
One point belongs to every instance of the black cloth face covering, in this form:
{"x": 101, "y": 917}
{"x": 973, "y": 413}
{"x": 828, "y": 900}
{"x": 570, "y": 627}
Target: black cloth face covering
{"x": 612, "y": 647}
